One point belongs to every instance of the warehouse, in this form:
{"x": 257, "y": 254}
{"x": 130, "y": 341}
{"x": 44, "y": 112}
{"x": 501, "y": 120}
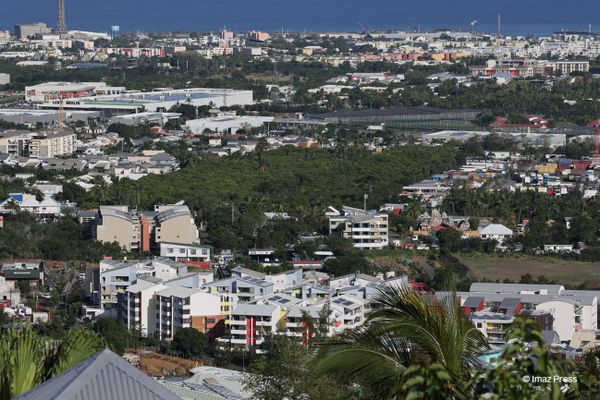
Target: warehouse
{"x": 155, "y": 101}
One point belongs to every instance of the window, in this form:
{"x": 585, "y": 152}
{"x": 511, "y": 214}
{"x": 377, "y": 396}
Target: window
{"x": 170, "y": 250}
{"x": 193, "y": 251}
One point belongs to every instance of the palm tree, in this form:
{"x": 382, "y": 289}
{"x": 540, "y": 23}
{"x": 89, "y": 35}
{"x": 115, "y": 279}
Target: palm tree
{"x": 404, "y": 330}
{"x": 26, "y": 359}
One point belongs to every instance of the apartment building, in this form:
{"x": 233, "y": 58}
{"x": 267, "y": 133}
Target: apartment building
{"x": 246, "y": 289}
{"x": 493, "y": 326}
{"x": 527, "y": 67}
{"x": 352, "y": 311}
{"x": 570, "y": 310}
{"x": 285, "y": 279}
{"x": 118, "y": 224}
{"x": 366, "y": 229}
{"x": 169, "y": 224}
{"x": 250, "y": 323}
{"x": 40, "y": 145}
{"x": 180, "y": 307}
{"x": 112, "y": 278}
{"x": 175, "y": 224}
{"x": 137, "y": 305}
{"x": 185, "y": 252}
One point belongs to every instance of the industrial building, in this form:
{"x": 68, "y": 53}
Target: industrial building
{"x": 46, "y": 117}
{"x": 45, "y": 92}
{"x": 226, "y": 124}
{"x": 155, "y": 101}
{"x": 24, "y": 31}
{"x": 390, "y": 115}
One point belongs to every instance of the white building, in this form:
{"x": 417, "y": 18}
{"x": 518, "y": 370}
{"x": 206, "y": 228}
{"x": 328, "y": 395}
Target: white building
{"x": 226, "y": 124}
{"x": 250, "y": 323}
{"x": 154, "y": 101}
{"x": 497, "y": 232}
{"x": 66, "y": 90}
{"x": 185, "y": 252}
{"x": 181, "y": 307}
{"x": 137, "y": 305}
{"x": 114, "y": 277}
{"x": 48, "y": 207}
{"x": 367, "y": 230}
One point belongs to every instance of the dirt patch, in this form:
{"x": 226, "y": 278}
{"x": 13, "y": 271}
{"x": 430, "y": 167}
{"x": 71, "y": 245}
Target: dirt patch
{"x": 563, "y": 271}
{"x": 160, "y": 365}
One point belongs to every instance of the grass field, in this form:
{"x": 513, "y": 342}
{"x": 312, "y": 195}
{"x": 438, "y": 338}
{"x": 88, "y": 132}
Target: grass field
{"x": 567, "y": 272}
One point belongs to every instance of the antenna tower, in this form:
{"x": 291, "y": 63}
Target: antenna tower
{"x": 61, "y": 25}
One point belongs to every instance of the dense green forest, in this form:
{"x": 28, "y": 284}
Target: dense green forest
{"x": 23, "y": 236}
{"x": 301, "y": 182}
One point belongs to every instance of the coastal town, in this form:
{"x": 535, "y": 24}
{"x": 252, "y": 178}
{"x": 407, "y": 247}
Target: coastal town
{"x": 227, "y": 211}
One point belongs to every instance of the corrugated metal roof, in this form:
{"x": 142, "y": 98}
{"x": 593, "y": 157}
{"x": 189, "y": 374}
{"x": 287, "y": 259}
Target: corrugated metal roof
{"x": 103, "y": 376}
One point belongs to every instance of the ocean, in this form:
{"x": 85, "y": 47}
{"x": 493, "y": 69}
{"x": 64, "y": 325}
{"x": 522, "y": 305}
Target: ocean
{"x": 537, "y": 17}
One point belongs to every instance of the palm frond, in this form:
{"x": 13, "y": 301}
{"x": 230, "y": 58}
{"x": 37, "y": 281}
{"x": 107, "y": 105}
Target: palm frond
{"x": 403, "y": 330}
{"x": 75, "y": 346}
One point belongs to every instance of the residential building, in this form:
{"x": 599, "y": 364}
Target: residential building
{"x": 137, "y": 305}
{"x": 112, "y": 277}
{"x": 352, "y": 312}
{"x": 366, "y": 229}
{"x": 250, "y": 323}
{"x": 45, "y": 208}
{"x": 179, "y": 307}
{"x": 497, "y": 232}
{"x": 132, "y": 229}
{"x": 41, "y": 145}
{"x": 10, "y": 295}
{"x": 118, "y": 224}
{"x": 185, "y": 252}
{"x": 493, "y": 326}
{"x": 175, "y": 224}
{"x": 568, "y": 310}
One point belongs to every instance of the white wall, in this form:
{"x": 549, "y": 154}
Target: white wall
{"x": 564, "y": 317}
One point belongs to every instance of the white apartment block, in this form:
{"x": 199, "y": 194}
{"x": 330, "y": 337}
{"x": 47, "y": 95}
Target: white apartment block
{"x": 366, "y": 230}
{"x": 137, "y": 305}
{"x": 185, "y": 252}
{"x": 181, "y": 307}
{"x": 39, "y": 145}
{"x": 250, "y": 323}
{"x": 571, "y": 310}
{"x": 115, "y": 277}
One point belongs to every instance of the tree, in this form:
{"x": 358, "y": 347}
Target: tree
{"x": 26, "y": 359}
{"x": 402, "y": 331}
{"x": 525, "y": 357}
{"x": 189, "y": 342}
{"x": 114, "y": 333}
{"x": 282, "y": 371}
